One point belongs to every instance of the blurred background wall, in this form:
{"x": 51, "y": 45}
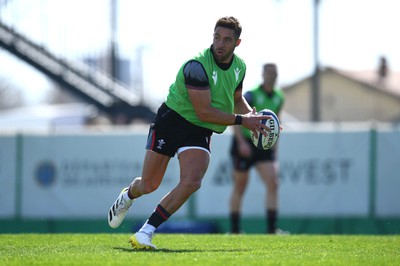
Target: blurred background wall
{"x": 333, "y": 180}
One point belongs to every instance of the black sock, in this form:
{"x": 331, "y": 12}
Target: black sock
{"x": 159, "y": 216}
{"x": 271, "y": 218}
{"x": 235, "y": 223}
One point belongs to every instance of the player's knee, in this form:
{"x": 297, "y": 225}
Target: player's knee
{"x": 276, "y": 184}
{"x": 191, "y": 185}
{"x": 148, "y": 187}
{"x": 273, "y": 187}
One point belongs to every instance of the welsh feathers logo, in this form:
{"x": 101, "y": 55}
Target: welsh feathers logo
{"x": 161, "y": 142}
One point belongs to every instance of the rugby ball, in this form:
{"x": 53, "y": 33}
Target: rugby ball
{"x": 267, "y": 142}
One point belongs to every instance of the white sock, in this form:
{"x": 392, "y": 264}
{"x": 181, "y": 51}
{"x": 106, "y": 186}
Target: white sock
{"x": 126, "y": 197}
{"x": 147, "y": 228}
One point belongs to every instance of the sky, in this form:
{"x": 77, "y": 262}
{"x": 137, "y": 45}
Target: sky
{"x": 353, "y": 34}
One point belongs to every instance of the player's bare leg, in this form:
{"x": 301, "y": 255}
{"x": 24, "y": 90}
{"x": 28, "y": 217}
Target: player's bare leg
{"x": 240, "y": 181}
{"x": 154, "y": 167}
{"x": 269, "y": 174}
{"x": 193, "y": 166}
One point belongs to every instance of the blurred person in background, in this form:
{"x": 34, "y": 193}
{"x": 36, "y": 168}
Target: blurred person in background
{"x": 245, "y": 154}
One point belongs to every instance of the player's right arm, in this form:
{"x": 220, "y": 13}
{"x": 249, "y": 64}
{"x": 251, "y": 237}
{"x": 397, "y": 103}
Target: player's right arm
{"x": 200, "y": 97}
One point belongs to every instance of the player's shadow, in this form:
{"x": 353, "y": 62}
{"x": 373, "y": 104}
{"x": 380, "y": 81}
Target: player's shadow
{"x": 165, "y": 250}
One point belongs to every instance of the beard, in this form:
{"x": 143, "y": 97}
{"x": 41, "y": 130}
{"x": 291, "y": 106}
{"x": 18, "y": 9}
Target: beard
{"x": 222, "y": 55}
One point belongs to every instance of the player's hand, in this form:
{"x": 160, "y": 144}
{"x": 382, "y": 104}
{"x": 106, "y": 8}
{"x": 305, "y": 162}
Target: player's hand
{"x": 252, "y": 121}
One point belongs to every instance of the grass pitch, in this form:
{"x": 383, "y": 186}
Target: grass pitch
{"x": 196, "y": 249}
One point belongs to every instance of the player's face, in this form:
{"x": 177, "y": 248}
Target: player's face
{"x": 224, "y": 44}
{"x": 270, "y": 75}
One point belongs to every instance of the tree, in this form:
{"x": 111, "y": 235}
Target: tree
{"x": 10, "y": 95}
{"x": 58, "y": 95}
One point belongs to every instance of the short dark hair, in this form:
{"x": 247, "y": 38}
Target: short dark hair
{"x": 266, "y": 65}
{"x": 230, "y": 23}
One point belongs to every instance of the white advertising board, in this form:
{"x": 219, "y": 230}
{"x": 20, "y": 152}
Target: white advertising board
{"x": 8, "y": 177}
{"x": 213, "y": 197}
{"x": 80, "y": 176}
{"x": 321, "y": 174}
{"x": 388, "y": 174}
{"x": 325, "y": 174}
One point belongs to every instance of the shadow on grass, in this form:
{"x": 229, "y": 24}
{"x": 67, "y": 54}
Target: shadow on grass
{"x": 165, "y": 250}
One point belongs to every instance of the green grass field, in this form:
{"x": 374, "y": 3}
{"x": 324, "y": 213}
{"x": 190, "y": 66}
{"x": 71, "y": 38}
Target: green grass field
{"x": 197, "y": 249}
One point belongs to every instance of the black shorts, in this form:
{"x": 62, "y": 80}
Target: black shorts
{"x": 244, "y": 163}
{"x": 170, "y": 131}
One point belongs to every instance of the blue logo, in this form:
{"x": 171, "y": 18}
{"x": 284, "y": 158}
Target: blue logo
{"x": 46, "y": 174}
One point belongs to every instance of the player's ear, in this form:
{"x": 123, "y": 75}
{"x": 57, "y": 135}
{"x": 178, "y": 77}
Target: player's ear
{"x": 238, "y": 42}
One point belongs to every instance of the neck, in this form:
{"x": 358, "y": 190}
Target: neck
{"x": 268, "y": 87}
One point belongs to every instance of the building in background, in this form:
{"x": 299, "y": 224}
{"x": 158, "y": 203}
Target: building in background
{"x": 349, "y": 96}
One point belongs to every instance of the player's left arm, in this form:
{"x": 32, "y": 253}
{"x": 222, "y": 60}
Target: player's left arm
{"x": 241, "y": 104}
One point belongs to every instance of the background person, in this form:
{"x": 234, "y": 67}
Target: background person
{"x": 245, "y": 155}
